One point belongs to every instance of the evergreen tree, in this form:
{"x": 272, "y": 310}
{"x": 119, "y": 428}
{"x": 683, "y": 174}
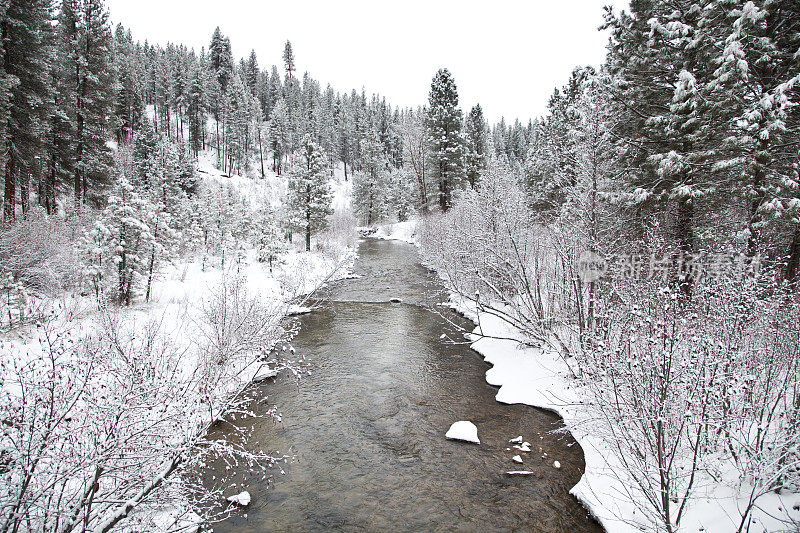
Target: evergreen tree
{"x": 371, "y": 187}
{"x": 251, "y": 72}
{"x": 122, "y": 239}
{"x": 86, "y": 47}
{"x": 310, "y": 193}
{"x": 269, "y": 241}
{"x": 288, "y": 59}
{"x": 274, "y": 91}
{"x": 279, "y": 135}
{"x": 23, "y": 29}
{"x": 444, "y": 136}
{"x": 475, "y": 133}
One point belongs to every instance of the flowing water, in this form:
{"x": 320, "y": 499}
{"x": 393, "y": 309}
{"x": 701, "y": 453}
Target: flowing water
{"x": 366, "y": 428}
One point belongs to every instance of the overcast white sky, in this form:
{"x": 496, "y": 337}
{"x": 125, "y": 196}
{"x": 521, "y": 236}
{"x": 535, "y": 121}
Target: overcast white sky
{"x": 506, "y": 55}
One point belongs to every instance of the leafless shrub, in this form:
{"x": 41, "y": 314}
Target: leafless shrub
{"x": 688, "y": 390}
{"x": 105, "y": 428}
{"x": 235, "y": 324}
{"x": 36, "y": 251}
{"x": 489, "y": 250}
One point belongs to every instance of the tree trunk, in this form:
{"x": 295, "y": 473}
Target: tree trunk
{"x": 260, "y": 151}
{"x": 793, "y": 265}
{"x": 10, "y": 195}
{"x": 216, "y": 121}
{"x": 24, "y": 192}
{"x": 79, "y": 185}
{"x": 50, "y": 189}
{"x": 685, "y": 242}
{"x": 308, "y": 231}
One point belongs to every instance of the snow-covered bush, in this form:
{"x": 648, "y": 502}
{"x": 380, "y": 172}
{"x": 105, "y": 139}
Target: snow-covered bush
{"x": 234, "y": 324}
{"x": 35, "y": 250}
{"x": 339, "y": 237}
{"x": 688, "y": 393}
{"x": 108, "y": 425}
{"x": 36, "y": 260}
{"x": 489, "y": 249}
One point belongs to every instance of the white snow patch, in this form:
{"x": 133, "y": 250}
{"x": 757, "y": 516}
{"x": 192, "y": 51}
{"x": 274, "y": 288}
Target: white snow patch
{"x": 399, "y": 231}
{"x": 243, "y": 498}
{"x": 265, "y": 372}
{"x": 463, "y": 430}
{"x": 517, "y": 459}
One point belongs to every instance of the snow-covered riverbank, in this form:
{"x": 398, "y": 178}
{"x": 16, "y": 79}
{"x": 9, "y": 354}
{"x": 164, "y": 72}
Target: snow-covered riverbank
{"x": 540, "y": 377}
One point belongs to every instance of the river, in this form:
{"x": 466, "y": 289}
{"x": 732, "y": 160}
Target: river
{"x": 366, "y": 427}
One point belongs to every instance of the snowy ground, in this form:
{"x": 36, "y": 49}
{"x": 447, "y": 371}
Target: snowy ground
{"x": 541, "y": 378}
{"x": 399, "y": 231}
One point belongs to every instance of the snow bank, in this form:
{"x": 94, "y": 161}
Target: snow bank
{"x": 399, "y": 231}
{"x": 541, "y": 378}
{"x": 463, "y": 430}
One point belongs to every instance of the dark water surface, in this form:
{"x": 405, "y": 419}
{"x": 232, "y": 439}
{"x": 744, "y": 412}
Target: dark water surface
{"x": 366, "y": 428}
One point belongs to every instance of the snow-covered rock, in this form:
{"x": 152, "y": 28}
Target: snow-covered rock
{"x": 516, "y": 440}
{"x": 243, "y": 498}
{"x": 519, "y": 473}
{"x": 265, "y": 372}
{"x": 517, "y": 459}
{"x": 524, "y": 447}
{"x": 556, "y": 465}
{"x": 463, "y": 430}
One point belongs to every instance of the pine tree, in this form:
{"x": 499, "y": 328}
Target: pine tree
{"x": 26, "y": 74}
{"x": 123, "y": 239}
{"x": 86, "y": 47}
{"x": 753, "y": 90}
{"x": 288, "y": 60}
{"x": 251, "y": 72}
{"x": 274, "y": 91}
{"x": 269, "y": 241}
{"x": 310, "y": 193}
{"x": 475, "y": 133}
{"x": 279, "y": 135}
{"x": 444, "y": 135}
{"x": 129, "y": 104}
{"x": 371, "y": 186}
{"x": 660, "y": 61}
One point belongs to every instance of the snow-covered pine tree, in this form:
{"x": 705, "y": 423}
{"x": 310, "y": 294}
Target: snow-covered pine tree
{"x": 279, "y": 135}
{"x": 288, "y": 59}
{"x": 475, "y": 134}
{"x": 123, "y": 233}
{"x": 86, "y": 48}
{"x": 755, "y": 91}
{"x": 310, "y": 195}
{"x": 371, "y": 187}
{"x": 661, "y": 61}
{"x": 444, "y": 136}
{"x": 25, "y": 60}
{"x": 268, "y": 235}
{"x": 251, "y": 72}
{"x": 549, "y": 168}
